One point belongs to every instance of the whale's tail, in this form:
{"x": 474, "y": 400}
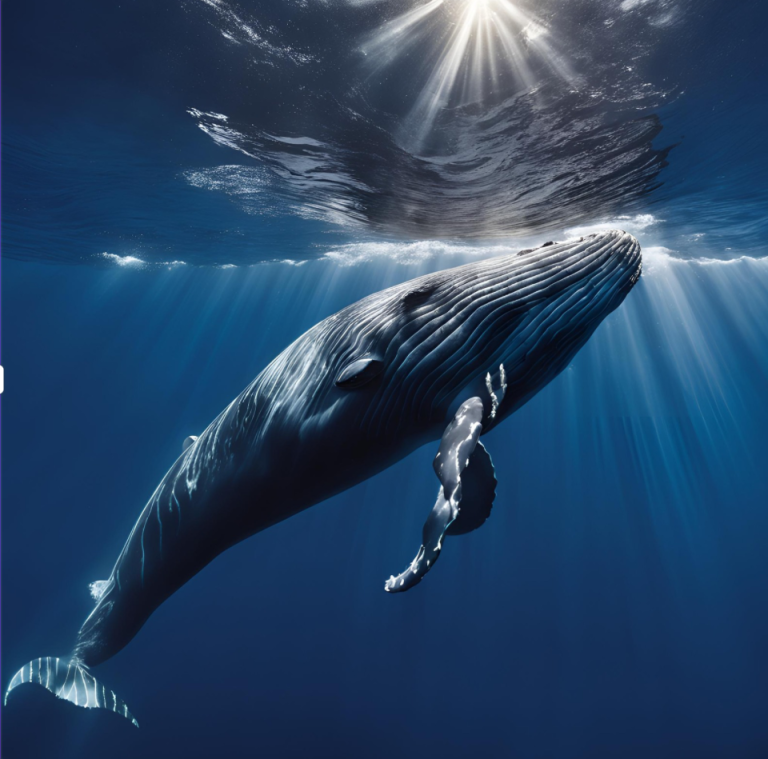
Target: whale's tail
{"x": 70, "y": 679}
{"x": 103, "y": 634}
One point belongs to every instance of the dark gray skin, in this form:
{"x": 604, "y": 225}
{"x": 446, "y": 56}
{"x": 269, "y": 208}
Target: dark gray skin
{"x": 355, "y": 394}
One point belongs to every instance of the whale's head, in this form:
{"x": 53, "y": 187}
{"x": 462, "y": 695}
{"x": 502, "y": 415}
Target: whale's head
{"x": 405, "y": 357}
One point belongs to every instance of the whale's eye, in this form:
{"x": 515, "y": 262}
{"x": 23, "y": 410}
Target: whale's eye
{"x": 359, "y": 373}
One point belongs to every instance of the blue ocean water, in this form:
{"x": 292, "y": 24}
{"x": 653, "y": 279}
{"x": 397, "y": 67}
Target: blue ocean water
{"x": 190, "y": 186}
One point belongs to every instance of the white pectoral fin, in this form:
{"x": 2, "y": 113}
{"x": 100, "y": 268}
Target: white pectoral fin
{"x": 456, "y": 448}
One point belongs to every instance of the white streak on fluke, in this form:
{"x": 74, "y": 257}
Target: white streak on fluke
{"x": 83, "y": 690}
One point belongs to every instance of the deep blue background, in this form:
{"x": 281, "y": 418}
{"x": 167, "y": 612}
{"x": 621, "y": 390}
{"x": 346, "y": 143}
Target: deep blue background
{"x": 615, "y": 603}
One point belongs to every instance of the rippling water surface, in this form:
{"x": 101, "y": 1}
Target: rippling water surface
{"x": 213, "y": 133}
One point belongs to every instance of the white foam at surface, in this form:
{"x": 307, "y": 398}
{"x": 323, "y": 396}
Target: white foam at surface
{"x": 632, "y": 224}
{"x": 657, "y": 258}
{"x": 124, "y": 260}
{"x": 139, "y": 263}
{"x": 411, "y": 253}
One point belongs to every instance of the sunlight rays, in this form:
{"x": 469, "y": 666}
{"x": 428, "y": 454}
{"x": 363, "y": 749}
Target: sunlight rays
{"x": 469, "y": 50}
{"x": 388, "y": 42}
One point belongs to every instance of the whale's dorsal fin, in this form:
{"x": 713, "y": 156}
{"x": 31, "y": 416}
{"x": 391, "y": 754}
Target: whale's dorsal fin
{"x": 191, "y": 440}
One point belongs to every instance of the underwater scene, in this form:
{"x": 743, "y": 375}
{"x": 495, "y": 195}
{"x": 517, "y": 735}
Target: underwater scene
{"x": 299, "y": 296}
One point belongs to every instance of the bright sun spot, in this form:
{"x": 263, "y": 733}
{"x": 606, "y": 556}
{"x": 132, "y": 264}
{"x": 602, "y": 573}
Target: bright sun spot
{"x": 469, "y": 49}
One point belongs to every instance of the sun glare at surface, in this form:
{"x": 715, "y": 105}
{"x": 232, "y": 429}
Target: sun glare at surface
{"x": 477, "y": 48}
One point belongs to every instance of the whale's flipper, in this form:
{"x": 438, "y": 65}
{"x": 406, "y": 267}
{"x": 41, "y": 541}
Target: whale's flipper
{"x": 71, "y": 681}
{"x": 478, "y": 489}
{"x": 459, "y": 442}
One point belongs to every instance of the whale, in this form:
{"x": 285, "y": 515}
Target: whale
{"x": 444, "y": 357}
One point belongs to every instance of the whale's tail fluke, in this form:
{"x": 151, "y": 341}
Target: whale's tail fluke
{"x": 70, "y": 680}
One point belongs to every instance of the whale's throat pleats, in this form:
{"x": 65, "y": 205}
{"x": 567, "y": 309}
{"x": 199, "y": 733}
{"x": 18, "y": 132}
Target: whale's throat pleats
{"x": 529, "y": 312}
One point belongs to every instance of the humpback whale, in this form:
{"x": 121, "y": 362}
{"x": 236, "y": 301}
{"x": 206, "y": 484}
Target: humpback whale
{"x": 446, "y": 356}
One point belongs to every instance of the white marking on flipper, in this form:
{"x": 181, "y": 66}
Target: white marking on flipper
{"x": 494, "y": 399}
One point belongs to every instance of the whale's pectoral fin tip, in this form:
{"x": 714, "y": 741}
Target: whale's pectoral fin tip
{"x": 70, "y": 681}
{"x": 439, "y": 519}
{"x": 460, "y": 506}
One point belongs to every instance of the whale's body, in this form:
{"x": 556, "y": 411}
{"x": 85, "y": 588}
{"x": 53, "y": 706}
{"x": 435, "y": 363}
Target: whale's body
{"x": 449, "y": 354}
